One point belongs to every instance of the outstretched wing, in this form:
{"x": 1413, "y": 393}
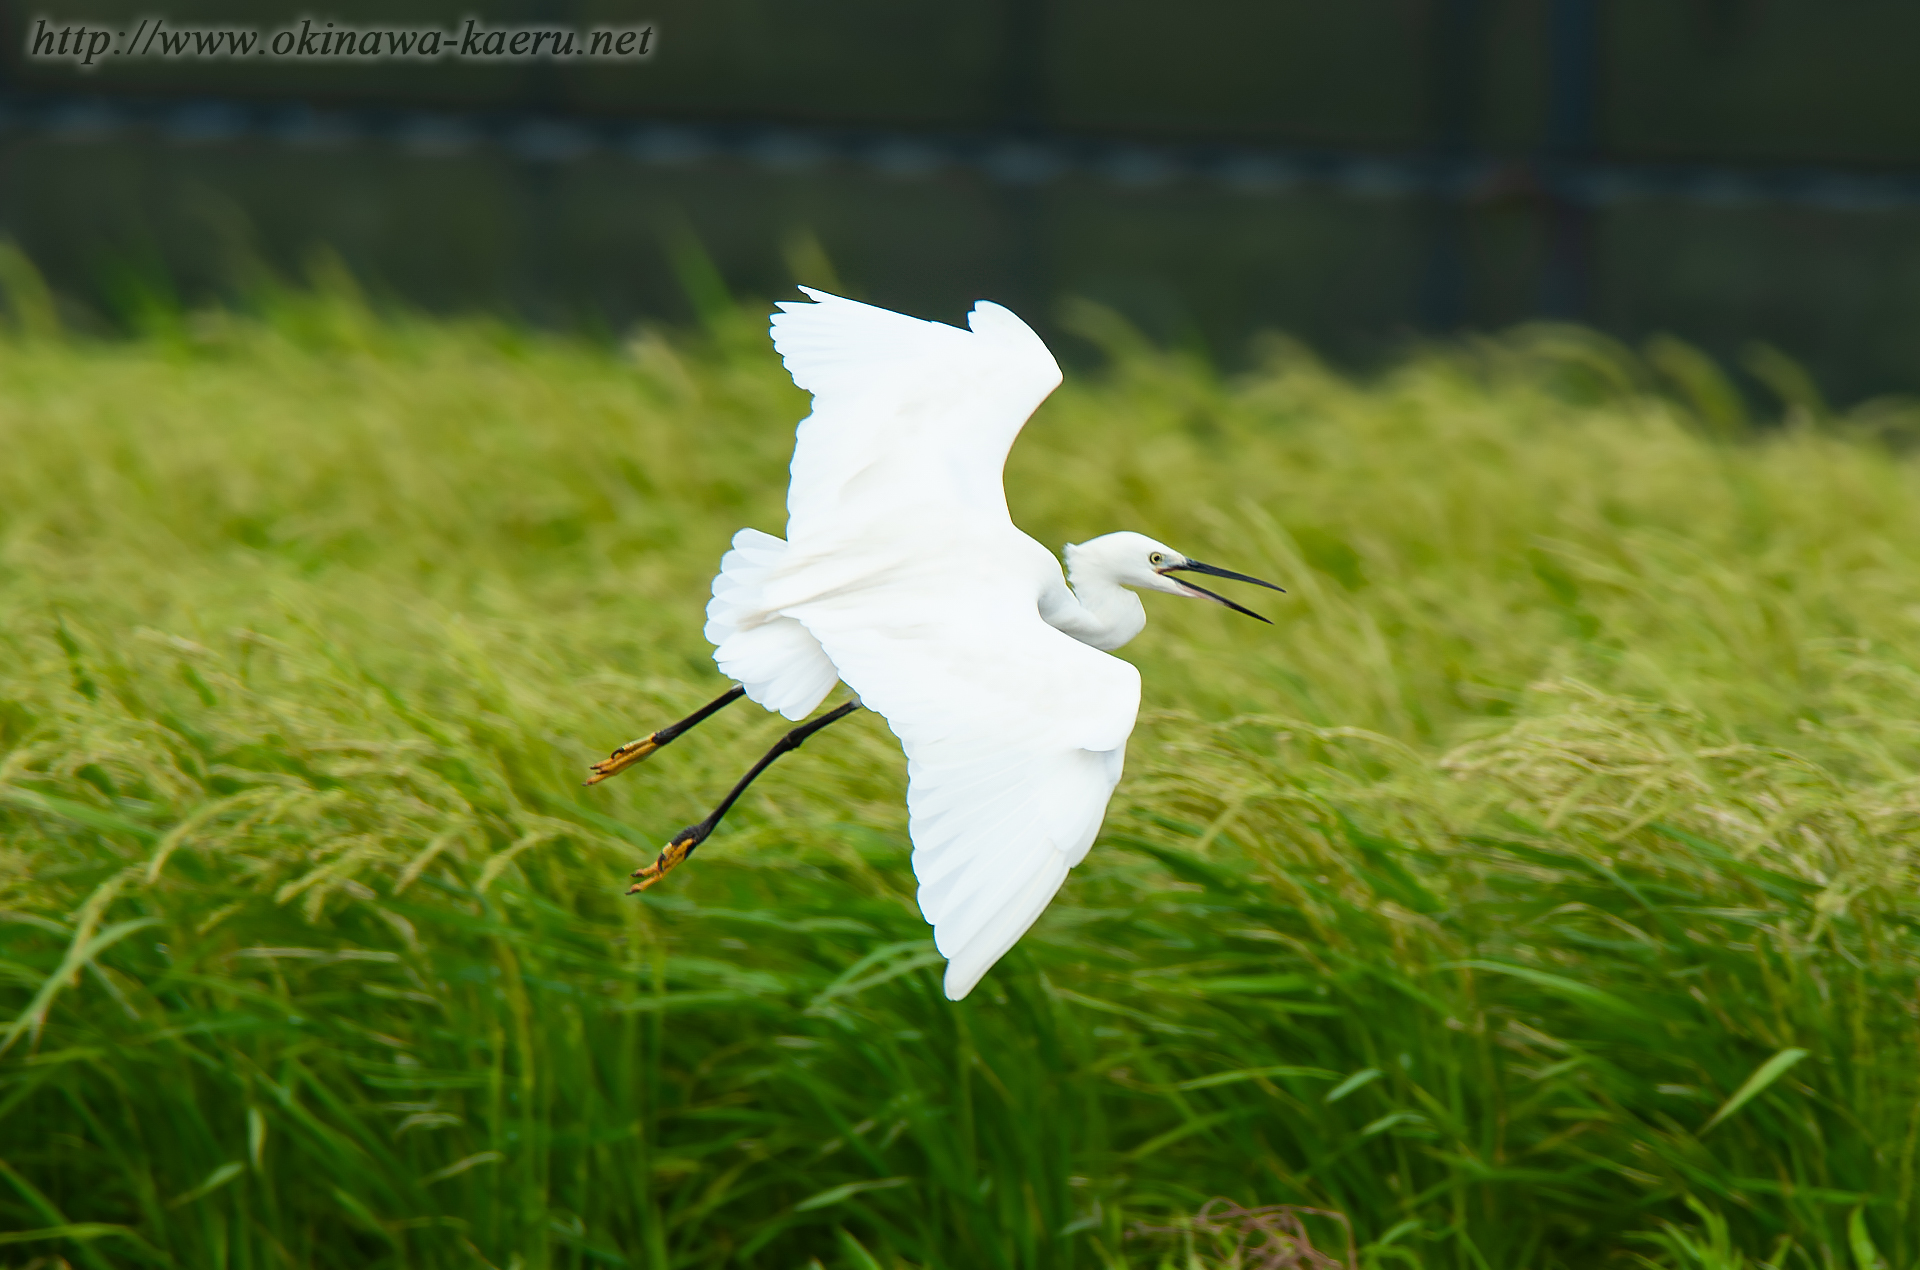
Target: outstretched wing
{"x": 1015, "y": 735}
{"x": 910, "y": 418}
{"x": 907, "y": 569}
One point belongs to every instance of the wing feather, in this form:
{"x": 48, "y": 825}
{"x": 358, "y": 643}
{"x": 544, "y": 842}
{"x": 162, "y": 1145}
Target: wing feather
{"x": 910, "y": 418}
{"x": 901, "y": 561}
{"x": 1014, "y": 734}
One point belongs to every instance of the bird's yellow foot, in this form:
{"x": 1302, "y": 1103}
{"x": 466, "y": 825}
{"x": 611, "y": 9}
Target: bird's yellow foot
{"x": 673, "y": 853}
{"x": 624, "y": 757}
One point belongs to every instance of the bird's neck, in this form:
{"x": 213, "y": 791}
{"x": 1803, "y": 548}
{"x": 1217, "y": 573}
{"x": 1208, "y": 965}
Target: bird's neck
{"x": 1098, "y": 611}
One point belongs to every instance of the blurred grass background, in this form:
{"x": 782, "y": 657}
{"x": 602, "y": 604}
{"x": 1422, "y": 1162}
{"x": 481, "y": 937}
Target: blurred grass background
{"x": 1538, "y": 891}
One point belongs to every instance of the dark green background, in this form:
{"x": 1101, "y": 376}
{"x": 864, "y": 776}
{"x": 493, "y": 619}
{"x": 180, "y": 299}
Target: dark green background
{"x": 1735, "y": 84}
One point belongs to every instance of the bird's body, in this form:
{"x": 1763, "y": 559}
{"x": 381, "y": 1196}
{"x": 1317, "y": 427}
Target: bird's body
{"x": 903, "y": 575}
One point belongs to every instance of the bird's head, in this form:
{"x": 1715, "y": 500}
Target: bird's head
{"x": 1138, "y": 561}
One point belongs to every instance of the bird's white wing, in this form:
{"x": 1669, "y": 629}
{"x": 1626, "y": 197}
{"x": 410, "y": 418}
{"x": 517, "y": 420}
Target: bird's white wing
{"x": 1014, "y": 733}
{"x": 904, "y": 565}
{"x": 911, "y": 419}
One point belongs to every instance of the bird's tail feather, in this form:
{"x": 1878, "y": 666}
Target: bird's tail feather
{"x": 775, "y": 658}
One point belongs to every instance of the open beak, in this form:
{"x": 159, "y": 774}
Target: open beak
{"x": 1194, "y": 566}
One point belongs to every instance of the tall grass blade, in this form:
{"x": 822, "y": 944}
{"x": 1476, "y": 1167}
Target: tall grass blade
{"x": 1764, "y": 1075}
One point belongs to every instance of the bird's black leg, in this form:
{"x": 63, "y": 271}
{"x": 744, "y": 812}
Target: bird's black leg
{"x": 693, "y": 835}
{"x": 635, "y": 751}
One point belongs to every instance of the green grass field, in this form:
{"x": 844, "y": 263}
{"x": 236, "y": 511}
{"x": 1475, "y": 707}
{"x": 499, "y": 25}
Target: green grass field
{"x": 1539, "y": 891}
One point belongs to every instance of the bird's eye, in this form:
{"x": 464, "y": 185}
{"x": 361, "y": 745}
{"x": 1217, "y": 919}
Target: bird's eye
{"x": 1155, "y": 558}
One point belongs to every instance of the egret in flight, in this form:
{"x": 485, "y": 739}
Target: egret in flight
{"x": 903, "y": 575}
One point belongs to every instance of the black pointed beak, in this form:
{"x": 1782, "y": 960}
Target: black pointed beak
{"x": 1194, "y": 566}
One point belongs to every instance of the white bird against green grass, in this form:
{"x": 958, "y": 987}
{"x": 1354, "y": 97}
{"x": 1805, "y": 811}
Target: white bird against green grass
{"x": 903, "y": 575}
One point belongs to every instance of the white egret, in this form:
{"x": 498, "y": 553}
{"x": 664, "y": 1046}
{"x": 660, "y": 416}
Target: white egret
{"x": 903, "y": 575}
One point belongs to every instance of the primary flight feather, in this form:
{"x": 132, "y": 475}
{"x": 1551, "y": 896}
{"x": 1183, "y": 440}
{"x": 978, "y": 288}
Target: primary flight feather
{"x": 902, "y": 575}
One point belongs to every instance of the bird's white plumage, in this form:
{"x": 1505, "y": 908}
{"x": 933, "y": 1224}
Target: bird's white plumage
{"x": 910, "y": 418}
{"x": 903, "y": 575}
{"x": 773, "y": 657}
